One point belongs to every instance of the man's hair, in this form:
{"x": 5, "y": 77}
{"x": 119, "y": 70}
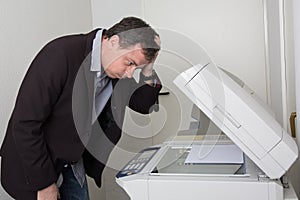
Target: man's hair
{"x": 132, "y": 31}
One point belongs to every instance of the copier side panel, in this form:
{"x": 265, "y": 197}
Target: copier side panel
{"x": 194, "y": 189}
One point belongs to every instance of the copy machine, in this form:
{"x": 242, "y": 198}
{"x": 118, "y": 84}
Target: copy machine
{"x": 248, "y": 161}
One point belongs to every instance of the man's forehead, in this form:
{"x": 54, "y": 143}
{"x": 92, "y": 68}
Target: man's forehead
{"x": 137, "y": 55}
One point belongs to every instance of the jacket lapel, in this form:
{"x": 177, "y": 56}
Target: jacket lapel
{"x": 89, "y": 79}
{"x": 89, "y": 75}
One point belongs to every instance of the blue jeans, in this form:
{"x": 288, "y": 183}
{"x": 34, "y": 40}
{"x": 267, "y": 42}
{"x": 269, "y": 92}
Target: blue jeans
{"x": 70, "y": 188}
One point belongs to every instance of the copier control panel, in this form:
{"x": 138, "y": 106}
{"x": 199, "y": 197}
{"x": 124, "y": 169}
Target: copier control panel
{"x": 138, "y": 162}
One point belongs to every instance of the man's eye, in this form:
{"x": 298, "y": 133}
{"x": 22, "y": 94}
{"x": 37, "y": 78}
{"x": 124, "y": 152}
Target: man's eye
{"x": 130, "y": 63}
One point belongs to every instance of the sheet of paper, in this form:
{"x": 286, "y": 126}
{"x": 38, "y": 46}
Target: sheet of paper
{"x": 215, "y": 154}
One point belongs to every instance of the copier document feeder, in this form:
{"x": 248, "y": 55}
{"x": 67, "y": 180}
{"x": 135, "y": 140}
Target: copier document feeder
{"x": 249, "y": 163}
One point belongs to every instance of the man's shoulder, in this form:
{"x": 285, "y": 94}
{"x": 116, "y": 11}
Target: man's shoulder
{"x": 74, "y": 37}
{"x": 72, "y": 42}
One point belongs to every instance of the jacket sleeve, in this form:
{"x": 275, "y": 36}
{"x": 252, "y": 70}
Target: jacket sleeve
{"x": 145, "y": 96}
{"x": 37, "y": 96}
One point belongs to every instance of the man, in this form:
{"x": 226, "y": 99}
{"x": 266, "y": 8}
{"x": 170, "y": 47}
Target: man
{"x": 70, "y": 109}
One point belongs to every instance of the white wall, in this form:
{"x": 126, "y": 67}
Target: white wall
{"x": 232, "y": 33}
{"x": 290, "y": 57}
{"x": 296, "y": 4}
{"x": 290, "y": 32}
{"x": 275, "y": 57}
{"x": 25, "y": 26}
{"x": 107, "y": 13}
{"x": 296, "y": 21}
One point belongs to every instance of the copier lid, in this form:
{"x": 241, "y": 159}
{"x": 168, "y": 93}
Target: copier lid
{"x": 240, "y": 117}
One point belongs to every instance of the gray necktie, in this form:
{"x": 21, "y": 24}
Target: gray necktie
{"x": 103, "y": 91}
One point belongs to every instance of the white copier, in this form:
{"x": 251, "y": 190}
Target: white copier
{"x": 247, "y": 161}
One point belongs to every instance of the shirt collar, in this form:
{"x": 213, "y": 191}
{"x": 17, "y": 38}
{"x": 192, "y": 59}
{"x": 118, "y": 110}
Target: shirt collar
{"x": 96, "y": 55}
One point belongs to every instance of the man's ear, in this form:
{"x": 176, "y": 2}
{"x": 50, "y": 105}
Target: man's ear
{"x": 114, "y": 41}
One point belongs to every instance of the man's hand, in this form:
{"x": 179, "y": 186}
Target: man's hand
{"x": 147, "y": 70}
{"x": 49, "y": 193}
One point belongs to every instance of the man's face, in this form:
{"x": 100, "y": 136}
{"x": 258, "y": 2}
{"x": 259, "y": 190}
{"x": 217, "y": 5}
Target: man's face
{"x": 120, "y": 62}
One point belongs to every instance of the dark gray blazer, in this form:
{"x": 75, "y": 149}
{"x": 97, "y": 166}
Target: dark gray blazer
{"x": 51, "y": 122}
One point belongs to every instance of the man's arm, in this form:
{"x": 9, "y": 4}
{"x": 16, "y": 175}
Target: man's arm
{"x": 145, "y": 96}
{"x": 37, "y": 96}
{"x": 148, "y": 71}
